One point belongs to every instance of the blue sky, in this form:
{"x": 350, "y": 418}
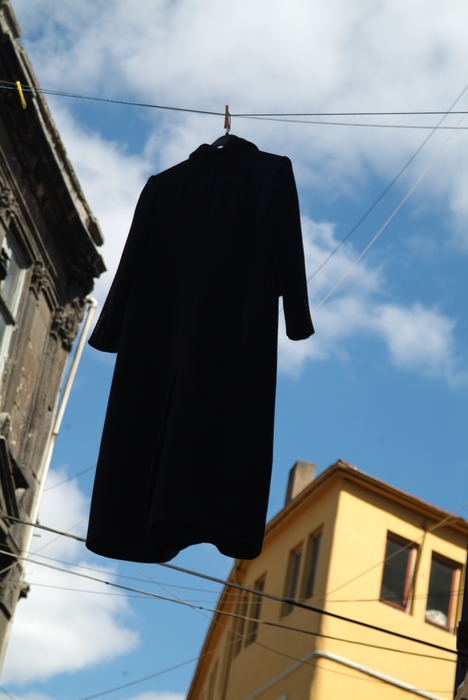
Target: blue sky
{"x": 382, "y": 384}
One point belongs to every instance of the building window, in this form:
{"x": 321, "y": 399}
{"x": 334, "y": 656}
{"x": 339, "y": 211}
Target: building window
{"x": 400, "y": 557}
{"x": 292, "y": 579}
{"x": 312, "y": 560}
{"x": 255, "y": 611}
{"x": 239, "y": 624}
{"x": 12, "y": 271}
{"x": 443, "y": 583}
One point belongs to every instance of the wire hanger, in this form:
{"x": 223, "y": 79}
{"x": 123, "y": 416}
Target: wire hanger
{"x": 223, "y": 140}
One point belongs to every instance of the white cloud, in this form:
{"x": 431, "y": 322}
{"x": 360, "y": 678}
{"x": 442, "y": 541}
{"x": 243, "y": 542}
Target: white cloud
{"x": 261, "y": 57}
{"x": 150, "y": 695}
{"x": 111, "y": 180}
{"x": 158, "y": 695}
{"x": 417, "y": 338}
{"x": 57, "y": 630}
{"x": 306, "y": 56}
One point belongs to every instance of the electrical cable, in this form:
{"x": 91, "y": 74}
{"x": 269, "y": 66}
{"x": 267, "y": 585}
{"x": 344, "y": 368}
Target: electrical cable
{"x": 264, "y": 626}
{"x": 390, "y": 184}
{"x": 402, "y": 549}
{"x": 263, "y": 594}
{"x": 264, "y": 623}
{"x": 70, "y": 478}
{"x": 373, "y": 126}
{"x": 47, "y": 544}
{"x": 235, "y": 636}
{"x": 276, "y": 116}
{"x": 223, "y": 582}
{"x": 295, "y": 603}
{"x": 365, "y": 250}
{"x": 231, "y": 596}
{"x": 12, "y": 697}
{"x": 379, "y": 232}
{"x": 204, "y": 655}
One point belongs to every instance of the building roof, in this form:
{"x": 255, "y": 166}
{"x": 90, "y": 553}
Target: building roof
{"x": 345, "y": 470}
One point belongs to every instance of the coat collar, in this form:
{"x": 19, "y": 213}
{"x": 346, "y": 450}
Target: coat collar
{"x": 234, "y": 142}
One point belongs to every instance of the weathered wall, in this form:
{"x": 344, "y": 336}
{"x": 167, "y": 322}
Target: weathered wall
{"x": 48, "y": 260}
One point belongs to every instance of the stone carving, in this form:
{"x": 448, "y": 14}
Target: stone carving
{"x": 40, "y": 277}
{"x": 8, "y": 204}
{"x": 66, "y": 322}
{"x": 5, "y": 424}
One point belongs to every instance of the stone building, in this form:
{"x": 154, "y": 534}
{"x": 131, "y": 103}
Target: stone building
{"x": 48, "y": 260}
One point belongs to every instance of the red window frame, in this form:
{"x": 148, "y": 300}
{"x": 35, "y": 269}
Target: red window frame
{"x": 456, "y": 574}
{"x": 255, "y": 610}
{"x": 292, "y": 578}
{"x": 412, "y": 550}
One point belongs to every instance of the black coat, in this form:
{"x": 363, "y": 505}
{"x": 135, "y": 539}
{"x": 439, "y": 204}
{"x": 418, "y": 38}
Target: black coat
{"x": 186, "y": 450}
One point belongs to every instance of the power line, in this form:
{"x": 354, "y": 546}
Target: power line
{"x": 295, "y": 603}
{"x": 402, "y": 549}
{"x": 140, "y": 680}
{"x": 70, "y": 478}
{"x": 390, "y": 184}
{"x": 230, "y": 597}
{"x": 209, "y": 653}
{"x": 44, "y": 527}
{"x": 265, "y": 623}
{"x": 223, "y": 582}
{"x": 373, "y": 126}
{"x": 263, "y": 594}
{"x": 389, "y": 219}
{"x": 376, "y": 236}
{"x": 12, "y": 697}
{"x": 153, "y": 675}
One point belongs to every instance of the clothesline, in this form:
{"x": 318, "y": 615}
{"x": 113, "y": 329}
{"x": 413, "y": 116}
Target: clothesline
{"x": 268, "y": 116}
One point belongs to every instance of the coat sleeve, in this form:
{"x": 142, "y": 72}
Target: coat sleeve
{"x": 106, "y": 334}
{"x": 280, "y": 218}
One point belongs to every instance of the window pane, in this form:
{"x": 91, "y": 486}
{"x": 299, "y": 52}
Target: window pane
{"x": 313, "y": 564}
{"x": 440, "y": 591}
{"x": 239, "y": 628}
{"x": 255, "y": 611}
{"x": 3, "y": 325}
{"x": 292, "y": 579}
{"x": 395, "y": 580}
{"x": 10, "y": 285}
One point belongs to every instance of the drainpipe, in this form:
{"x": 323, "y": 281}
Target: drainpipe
{"x": 92, "y": 305}
{"x": 34, "y": 512}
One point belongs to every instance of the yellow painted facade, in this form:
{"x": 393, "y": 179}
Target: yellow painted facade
{"x": 284, "y": 652}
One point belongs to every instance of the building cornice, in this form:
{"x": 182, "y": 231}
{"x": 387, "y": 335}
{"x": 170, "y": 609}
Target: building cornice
{"x": 50, "y": 180}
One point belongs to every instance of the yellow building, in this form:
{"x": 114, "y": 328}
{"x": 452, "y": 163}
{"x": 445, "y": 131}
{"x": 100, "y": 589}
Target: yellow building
{"x": 356, "y": 547}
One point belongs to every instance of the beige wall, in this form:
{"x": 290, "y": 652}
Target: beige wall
{"x": 355, "y": 520}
